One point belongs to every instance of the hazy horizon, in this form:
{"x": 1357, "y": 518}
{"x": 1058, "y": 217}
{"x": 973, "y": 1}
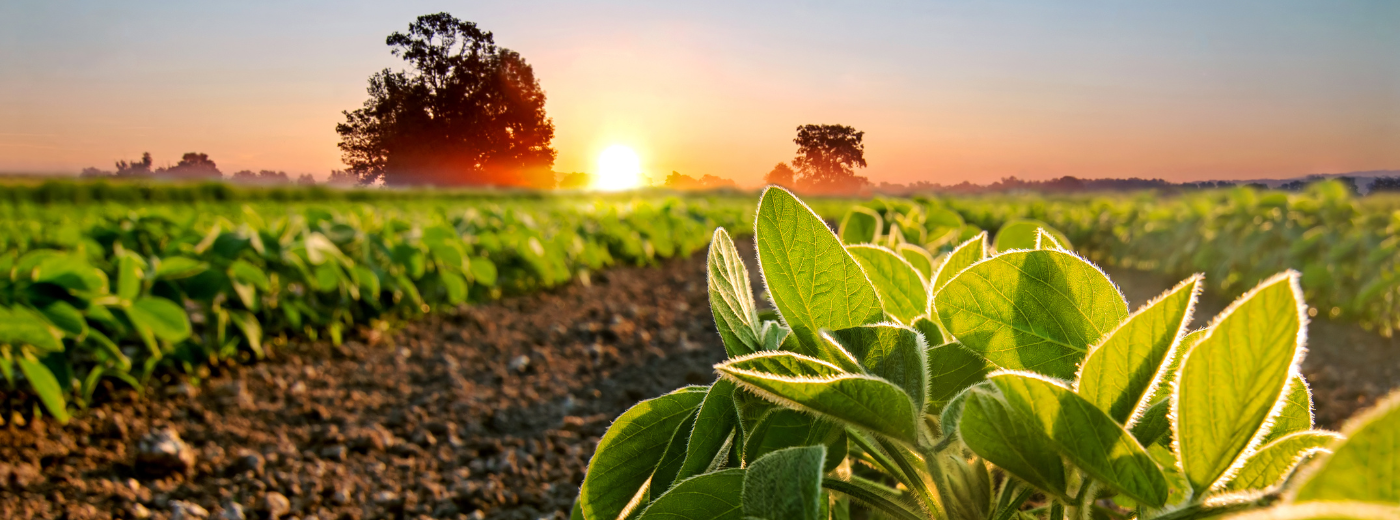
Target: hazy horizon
{"x": 945, "y": 92}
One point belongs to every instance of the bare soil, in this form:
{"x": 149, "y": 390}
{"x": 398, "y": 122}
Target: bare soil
{"x": 489, "y": 412}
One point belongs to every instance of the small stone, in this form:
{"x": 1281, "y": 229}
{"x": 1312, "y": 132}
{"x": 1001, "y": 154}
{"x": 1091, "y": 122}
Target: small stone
{"x": 249, "y": 462}
{"x": 385, "y": 497}
{"x": 519, "y": 364}
{"x": 234, "y": 394}
{"x": 232, "y": 511}
{"x": 276, "y": 505}
{"x": 182, "y": 510}
{"x": 162, "y": 452}
{"x": 336, "y": 452}
{"x": 139, "y": 511}
{"x": 425, "y": 439}
{"x": 298, "y": 388}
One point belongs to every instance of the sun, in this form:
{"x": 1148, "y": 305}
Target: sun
{"x": 618, "y": 169}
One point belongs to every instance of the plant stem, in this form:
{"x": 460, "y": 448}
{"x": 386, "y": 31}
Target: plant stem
{"x": 870, "y": 498}
{"x": 919, "y": 486}
{"x": 1201, "y": 510}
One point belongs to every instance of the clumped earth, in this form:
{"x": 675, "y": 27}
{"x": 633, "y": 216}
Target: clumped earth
{"x": 489, "y": 412}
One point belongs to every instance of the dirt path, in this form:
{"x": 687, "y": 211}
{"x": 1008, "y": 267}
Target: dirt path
{"x": 1347, "y": 367}
{"x": 492, "y": 412}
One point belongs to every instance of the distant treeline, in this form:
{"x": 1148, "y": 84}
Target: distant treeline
{"x": 196, "y": 166}
{"x": 1069, "y": 184}
{"x": 70, "y": 191}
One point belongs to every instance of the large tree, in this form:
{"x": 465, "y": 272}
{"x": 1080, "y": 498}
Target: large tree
{"x": 466, "y": 112}
{"x": 827, "y": 156}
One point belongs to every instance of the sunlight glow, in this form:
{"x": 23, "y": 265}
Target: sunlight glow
{"x": 618, "y": 169}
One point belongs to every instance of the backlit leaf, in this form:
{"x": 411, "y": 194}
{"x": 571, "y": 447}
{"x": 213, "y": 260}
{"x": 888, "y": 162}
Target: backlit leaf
{"x": 731, "y": 297}
{"x": 1297, "y": 412}
{"x": 1031, "y": 310}
{"x": 891, "y": 352}
{"x": 812, "y": 280}
{"x": 861, "y": 225}
{"x": 629, "y": 452}
{"x": 1232, "y": 377}
{"x": 1267, "y": 466}
{"x": 712, "y": 496}
{"x": 717, "y": 420}
{"x": 902, "y": 290}
{"x": 969, "y": 252}
{"x": 999, "y": 433}
{"x": 1365, "y": 466}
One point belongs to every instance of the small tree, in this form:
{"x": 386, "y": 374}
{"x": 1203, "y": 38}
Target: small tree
{"x": 193, "y": 166}
{"x": 135, "y": 168}
{"x": 827, "y": 156}
{"x": 781, "y": 175}
{"x": 466, "y": 112}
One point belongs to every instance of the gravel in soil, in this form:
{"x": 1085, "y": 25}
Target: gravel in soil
{"x": 489, "y": 412}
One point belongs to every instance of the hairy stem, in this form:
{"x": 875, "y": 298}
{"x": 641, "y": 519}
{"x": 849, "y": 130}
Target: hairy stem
{"x": 871, "y": 498}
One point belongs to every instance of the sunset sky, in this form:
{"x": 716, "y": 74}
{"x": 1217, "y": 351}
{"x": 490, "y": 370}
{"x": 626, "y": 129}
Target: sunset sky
{"x": 945, "y": 91}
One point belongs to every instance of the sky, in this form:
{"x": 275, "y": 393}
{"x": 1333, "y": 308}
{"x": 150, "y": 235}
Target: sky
{"x": 945, "y": 91}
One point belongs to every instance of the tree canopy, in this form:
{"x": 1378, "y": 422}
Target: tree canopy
{"x": 827, "y": 156}
{"x": 466, "y": 112}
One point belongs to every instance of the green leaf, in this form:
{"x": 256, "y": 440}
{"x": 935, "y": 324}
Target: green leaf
{"x": 1031, "y": 310}
{"x": 811, "y": 278}
{"x": 483, "y": 271}
{"x": 671, "y": 460}
{"x": 902, "y": 290}
{"x": 1297, "y": 412}
{"x": 1021, "y": 234}
{"x": 1267, "y": 467}
{"x": 999, "y": 433}
{"x": 962, "y": 257}
{"x": 785, "y": 485}
{"x": 823, "y": 389}
{"x": 629, "y": 452}
{"x": 45, "y": 386}
{"x": 249, "y": 274}
{"x": 952, "y": 369}
{"x": 933, "y": 334}
{"x": 252, "y": 330}
{"x": 66, "y": 318}
{"x": 714, "y": 426}
{"x": 785, "y": 428}
{"x": 1232, "y": 377}
{"x": 861, "y": 225}
{"x": 455, "y": 285}
{"x": 892, "y": 352}
{"x": 1118, "y": 373}
{"x": 71, "y": 272}
{"x": 161, "y": 317}
{"x": 731, "y": 297}
{"x": 710, "y": 496}
{"x": 1088, "y": 436}
{"x": 919, "y": 258}
{"x": 1364, "y": 467}
{"x": 21, "y": 325}
{"x": 129, "y": 275}
{"x": 178, "y": 267}
{"x": 1153, "y": 423}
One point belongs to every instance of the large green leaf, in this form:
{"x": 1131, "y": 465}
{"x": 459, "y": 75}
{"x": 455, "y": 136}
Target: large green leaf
{"x": 785, "y": 485}
{"x": 1296, "y": 415}
{"x": 1268, "y": 466}
{"x": 969, "y": 252}
{"x": 1233, "y": 376}
{"x": 629, "y": 452}
{"x": 821, "y": 388}
{"x": 1365, "y": 466}
{"x": 712, "y": 496}
{"x": 731, "y": 297}
{"x": 891, "y": 352}
{"x": 71, "y": 272}
{"x": 671, "y": 460}
{"x": 161, "y": 317}
{"x": 902, "y": 290}
{"x": 714, "y": 426}
{"x": 1118, "y": 373}
{"x": 1001, "y": 434}
{"x": 861, "y": 225}
{"x": 1031, "y": 310}
{"x": 67, "y": 318}
{"x": 245, "y": 272}
{"x": 45, "y": 386}
{"x": 811, "y": 278}
{"x": 1088, "y": 436}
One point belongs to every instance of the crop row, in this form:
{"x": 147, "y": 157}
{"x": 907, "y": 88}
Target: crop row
{"x": 101, "y": 291}
{"x": 1347, "y": 249}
